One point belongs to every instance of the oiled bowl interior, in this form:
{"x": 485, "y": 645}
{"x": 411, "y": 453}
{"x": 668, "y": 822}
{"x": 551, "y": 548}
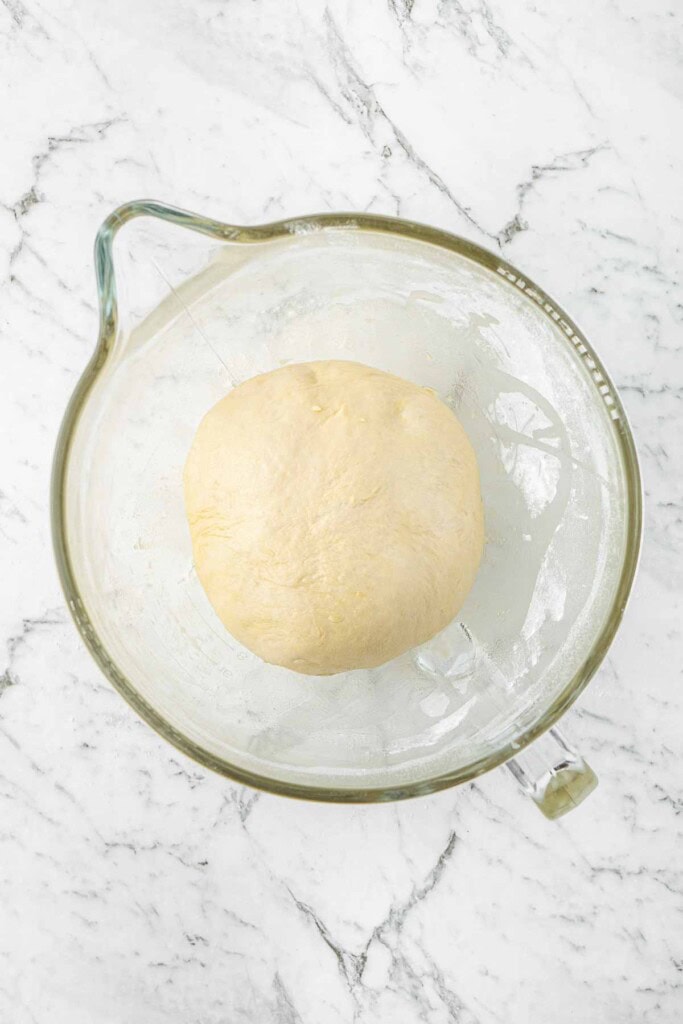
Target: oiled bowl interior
{"x": 553, "y": 481}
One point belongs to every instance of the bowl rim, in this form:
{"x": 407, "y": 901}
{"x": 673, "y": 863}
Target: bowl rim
{"x": 108, "y": 324}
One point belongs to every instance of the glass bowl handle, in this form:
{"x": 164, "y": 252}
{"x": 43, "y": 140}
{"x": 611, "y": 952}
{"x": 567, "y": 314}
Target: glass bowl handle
{"x": 555, "y": 776}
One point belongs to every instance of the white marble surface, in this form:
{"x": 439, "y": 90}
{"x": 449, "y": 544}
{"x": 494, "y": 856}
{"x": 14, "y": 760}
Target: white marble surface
{"x": 135, "y": 886}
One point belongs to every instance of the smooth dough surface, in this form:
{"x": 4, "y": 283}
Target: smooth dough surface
{"x": 335, "y": 515}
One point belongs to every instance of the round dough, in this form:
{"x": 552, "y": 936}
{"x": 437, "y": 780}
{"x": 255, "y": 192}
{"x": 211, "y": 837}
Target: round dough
{"x": 335, "y": 515}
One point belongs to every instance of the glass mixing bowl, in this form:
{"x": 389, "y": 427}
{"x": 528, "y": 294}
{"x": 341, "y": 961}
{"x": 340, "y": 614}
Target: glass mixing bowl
{"x": 189, "y": 313}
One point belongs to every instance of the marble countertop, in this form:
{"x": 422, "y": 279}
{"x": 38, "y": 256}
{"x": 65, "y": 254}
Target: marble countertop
{"x": 134, "y": 885}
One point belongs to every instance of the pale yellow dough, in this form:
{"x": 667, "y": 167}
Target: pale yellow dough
{"x": 335, "y": 515}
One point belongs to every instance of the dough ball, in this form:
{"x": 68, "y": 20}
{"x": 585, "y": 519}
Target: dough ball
{"x": 335, "y": 515}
